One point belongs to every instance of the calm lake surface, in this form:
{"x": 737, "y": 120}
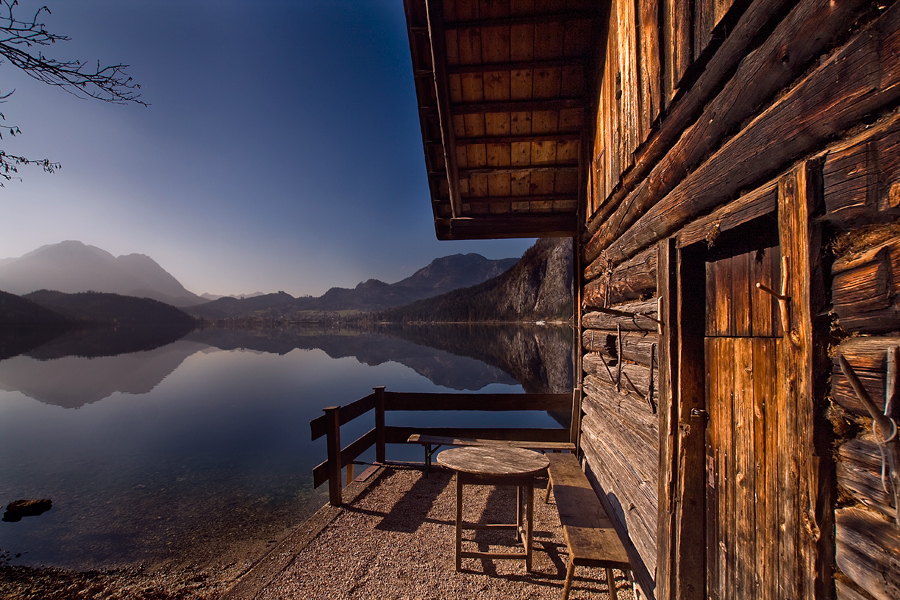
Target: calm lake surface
{"x": 170, "y": 454}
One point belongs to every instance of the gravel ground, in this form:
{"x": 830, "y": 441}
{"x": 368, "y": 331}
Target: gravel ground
{"x": 396, "y": 542}
{"x": 199, "y": 581}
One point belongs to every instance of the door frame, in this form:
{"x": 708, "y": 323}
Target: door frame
{"x": 681, "y": 570}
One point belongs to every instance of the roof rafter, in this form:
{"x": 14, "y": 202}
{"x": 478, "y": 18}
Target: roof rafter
{"x": 503, "y": 106}
{"x": 522, "y": 65}
{"x": 435, "y": 11}
{"x": 543, "y": 168}
{"x": 506, "y": 226}
{"x": 520, "y": 139}
{"x": 530, "y": 19}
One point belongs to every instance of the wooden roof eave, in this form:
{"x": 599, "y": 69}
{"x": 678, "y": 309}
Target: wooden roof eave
{"x": 434, "y": 10}
{"x": 497, "y": 227}
{"x": 549, "y": 213}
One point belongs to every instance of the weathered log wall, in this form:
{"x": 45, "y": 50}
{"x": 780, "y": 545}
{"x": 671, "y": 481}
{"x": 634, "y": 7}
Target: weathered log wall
{"x": 860, "y": 181}
{"x": 702, "y": 108}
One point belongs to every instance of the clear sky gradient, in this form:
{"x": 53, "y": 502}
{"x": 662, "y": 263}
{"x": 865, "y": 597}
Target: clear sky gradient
{"x": 281, "y": 149}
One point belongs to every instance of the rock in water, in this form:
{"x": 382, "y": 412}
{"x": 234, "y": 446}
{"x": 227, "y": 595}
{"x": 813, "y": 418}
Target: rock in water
{"x": 26, "y": 508}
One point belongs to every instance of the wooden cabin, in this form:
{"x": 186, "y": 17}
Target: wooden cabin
{"x": 730, "y": 173}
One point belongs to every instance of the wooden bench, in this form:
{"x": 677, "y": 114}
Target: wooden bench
{"x": 590, "y": 536}
{"x": 433, "y": 443}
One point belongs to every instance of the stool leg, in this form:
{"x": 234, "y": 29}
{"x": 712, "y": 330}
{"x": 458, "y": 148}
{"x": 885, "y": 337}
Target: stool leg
{"x": 570, "y": 572}
{"x": 611, "y": 582}
{"x": 459, "y": 513}
{"x": 520, "y": 514}
{"x": 529, "y": 524}
{"x": 547, "y": 495}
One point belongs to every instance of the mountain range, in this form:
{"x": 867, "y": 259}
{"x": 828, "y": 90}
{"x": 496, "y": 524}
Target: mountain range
{"x": 456, "y": 288}
{"x": 441, "y": 276}
{"x": 73, "y": 267}
{"x": 538, "y": 287}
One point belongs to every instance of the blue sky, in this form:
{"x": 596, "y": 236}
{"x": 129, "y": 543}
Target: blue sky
{"x": 281, "y": 149}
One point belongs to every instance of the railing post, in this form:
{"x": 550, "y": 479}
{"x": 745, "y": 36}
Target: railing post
{"x": 333, "y": 441}
{"x": 575, "y": 425}
{"x": 379, "y": 425}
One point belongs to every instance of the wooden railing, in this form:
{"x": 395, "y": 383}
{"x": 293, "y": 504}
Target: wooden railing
{"x": 382, "y": 401}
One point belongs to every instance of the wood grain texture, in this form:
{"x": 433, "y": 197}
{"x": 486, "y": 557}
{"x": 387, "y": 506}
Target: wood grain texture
{"x": 806, "y": 484}
{"x": 643, "y": 319}
{"x": 867, "y": 356}
{"x": 858, "y": 472}
{"x": 494, "y": 461}
{"x": 629, "y": 413}
{"x": 668, "y": 416}
{"x": 635, "y": 347}
{"x": 747, "y": 207}
{"x": 865, "y": 286}
{"x": 683, "y": 112}
{"x": 437, "y": 440}
{"x": 860, "y": 177}
{"x": 632, "y": 280}
{"x": 635, "y": 379}
{"x": 589, "y": 532}
{"x": 629, "y": 86}
{"x": 677, "y": 41}
{"x": 626, "y": 503}
{"x": 651, "y": 99}
{"x": 850, "y": 84}
{"x": 867, "y": 549}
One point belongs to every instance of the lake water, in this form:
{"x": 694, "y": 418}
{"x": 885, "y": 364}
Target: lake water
{"x": 172, "y": 453}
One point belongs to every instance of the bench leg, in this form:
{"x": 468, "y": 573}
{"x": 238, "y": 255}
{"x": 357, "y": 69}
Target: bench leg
{"x": 611, "y": 582}
{"x": 570, "y": 572}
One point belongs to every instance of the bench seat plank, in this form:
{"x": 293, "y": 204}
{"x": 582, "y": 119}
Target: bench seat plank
{"x": 589, "y": 532}
{"x": 438, "y": 440}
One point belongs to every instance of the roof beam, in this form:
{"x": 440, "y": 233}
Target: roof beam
{"x": 518, "y": 139}
{"x": 529, "y": 19}
{"x": 522, "y": 65}
{"x": 544, "y": 168}
{"x": 435, "y": 12}
{"x": 506, "y": 226}
{"x": 517, "y": 199}
{"x": 503, "y": 106}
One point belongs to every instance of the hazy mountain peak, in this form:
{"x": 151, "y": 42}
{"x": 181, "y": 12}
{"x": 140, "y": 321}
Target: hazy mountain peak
{"x": 370, "y": 284}
{"x": 457, "y": 270}
{"x": 72, "y": 266}
{"x": 68, "y": 249}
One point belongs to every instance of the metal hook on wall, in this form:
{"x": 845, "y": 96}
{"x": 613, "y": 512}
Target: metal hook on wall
{"x": 783, "y": 301}
{"x": 887, "y": 441}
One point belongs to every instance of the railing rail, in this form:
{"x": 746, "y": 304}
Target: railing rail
{"x": 329, "y": 425}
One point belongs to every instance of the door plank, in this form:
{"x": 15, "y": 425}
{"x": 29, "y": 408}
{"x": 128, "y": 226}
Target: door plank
{"x": 744, "y": 558}
{"x": 765, "y": 269}
{"x": 763, "y": 395}
{"x": 740, "y": 293}
{"x": 713, "y": 483}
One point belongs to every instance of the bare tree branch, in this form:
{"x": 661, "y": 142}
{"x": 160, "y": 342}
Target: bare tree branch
{"x": 20, "y": 44}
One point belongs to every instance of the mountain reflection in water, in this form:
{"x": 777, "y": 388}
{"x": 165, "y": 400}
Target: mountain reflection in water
{"x": 199, "y": 449}
{"x": 78, "y": 369}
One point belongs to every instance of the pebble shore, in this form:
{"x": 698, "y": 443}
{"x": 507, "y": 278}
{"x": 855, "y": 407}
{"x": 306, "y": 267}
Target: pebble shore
{"x": 393, "y": 541}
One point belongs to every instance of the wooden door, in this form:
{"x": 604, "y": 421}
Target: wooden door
{"x": 742, "y": 341}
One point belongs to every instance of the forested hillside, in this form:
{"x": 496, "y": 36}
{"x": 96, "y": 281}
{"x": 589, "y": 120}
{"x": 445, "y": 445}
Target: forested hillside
{"x": 538, "y": 287}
